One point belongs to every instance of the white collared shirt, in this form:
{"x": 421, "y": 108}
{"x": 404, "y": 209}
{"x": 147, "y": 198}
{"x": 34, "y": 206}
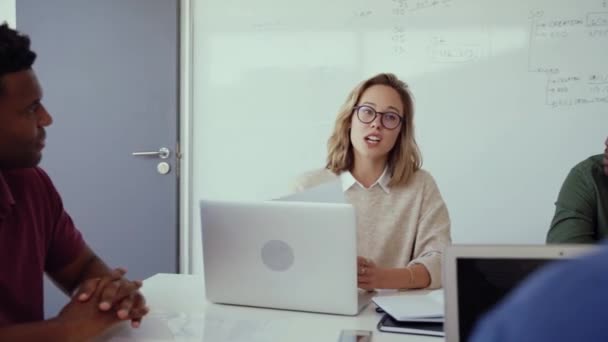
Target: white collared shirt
{"x": 348, "y": 180}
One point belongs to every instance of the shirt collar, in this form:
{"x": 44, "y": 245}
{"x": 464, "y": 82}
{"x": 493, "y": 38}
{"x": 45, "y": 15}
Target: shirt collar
{"x": 348, "y": 180}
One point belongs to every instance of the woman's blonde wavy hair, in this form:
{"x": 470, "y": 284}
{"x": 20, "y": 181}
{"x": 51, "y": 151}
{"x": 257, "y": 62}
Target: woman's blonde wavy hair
{"x": 404, "y": 159}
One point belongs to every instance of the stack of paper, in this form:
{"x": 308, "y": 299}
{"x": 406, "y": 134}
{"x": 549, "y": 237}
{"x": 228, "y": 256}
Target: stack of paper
{"x": 416, "y": 312}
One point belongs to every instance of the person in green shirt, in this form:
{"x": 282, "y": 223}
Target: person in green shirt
{"x": 581, "y": 213}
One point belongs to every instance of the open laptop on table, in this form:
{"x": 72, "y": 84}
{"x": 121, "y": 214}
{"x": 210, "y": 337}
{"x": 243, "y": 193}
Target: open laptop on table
{"x": 477, "y": 277}
{"x": 285, "y": 255}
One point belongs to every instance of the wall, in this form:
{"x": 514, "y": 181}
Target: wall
{"x": 7, "y": 12}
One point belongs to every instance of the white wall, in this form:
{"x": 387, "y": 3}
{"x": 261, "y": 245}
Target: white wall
{"x": 497, "y": 131}
{"x": 8, "y": 12}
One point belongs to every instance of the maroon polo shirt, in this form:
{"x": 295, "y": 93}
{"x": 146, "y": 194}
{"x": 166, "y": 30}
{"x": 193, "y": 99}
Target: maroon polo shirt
{"x": 36, "y": 236}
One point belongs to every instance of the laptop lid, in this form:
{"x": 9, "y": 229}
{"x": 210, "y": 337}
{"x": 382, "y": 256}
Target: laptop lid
{"x": 277, "y": 254}
{"x": 477, "y": 277}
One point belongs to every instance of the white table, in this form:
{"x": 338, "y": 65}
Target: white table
{"x": 180, "y": 312}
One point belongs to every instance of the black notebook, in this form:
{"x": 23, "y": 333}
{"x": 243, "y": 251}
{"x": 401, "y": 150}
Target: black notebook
{"x": 388, "y": 324}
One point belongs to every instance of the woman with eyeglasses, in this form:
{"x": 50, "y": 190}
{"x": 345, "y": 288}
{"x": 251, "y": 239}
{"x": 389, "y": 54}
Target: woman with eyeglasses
{"x": 403, "y": 224}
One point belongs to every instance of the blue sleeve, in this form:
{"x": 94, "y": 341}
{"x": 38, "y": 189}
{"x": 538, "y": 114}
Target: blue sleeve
{"x": 489, "y": 330}
{"x": 563, "y": 302}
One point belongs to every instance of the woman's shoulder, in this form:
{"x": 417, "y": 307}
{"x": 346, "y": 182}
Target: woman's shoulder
{"x": 421, "y": 181}
{"x": 312, "y": 178}
{"x": 422, "y": 177}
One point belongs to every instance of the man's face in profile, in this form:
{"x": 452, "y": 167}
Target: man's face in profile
{"x": 23, "y": 120}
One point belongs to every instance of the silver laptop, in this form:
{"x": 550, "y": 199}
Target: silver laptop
{"x": 477, "y": 277}
{"x": 283, "y": 255}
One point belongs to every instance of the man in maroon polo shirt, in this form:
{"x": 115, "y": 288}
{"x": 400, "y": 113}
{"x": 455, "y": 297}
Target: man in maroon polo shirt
{"x": 37, "y": 236}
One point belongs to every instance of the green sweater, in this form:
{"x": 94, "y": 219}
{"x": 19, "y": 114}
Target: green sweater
{"x": 581, "y": 213}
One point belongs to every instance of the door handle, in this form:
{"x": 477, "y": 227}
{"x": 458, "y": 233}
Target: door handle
{"x": 162, "y": 153}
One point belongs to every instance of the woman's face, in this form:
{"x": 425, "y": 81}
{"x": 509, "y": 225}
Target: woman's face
{"x": 377, "y": 123}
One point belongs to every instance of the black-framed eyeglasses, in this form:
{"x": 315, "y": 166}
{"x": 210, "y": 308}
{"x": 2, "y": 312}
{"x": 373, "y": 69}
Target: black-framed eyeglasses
{"x": 367, "y": 114}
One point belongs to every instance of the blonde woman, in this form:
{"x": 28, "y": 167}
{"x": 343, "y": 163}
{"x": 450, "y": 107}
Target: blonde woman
{"x": 402, "y": 221}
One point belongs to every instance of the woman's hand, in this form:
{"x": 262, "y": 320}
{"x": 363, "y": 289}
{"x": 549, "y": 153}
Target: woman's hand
{"x": 369, "y": 277}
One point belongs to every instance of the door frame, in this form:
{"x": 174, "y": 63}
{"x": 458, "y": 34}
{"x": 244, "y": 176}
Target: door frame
{"x": 185, "y": 135}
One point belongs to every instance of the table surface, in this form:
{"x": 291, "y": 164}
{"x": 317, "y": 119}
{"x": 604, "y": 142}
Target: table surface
{"x": 180, "y": 312}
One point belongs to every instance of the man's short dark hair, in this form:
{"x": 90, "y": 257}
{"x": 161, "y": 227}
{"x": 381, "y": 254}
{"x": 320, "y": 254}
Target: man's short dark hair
{"x": 15, "y": 52}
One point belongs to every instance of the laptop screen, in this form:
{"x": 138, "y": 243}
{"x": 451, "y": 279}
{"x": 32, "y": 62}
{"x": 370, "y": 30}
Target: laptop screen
{"x": 482, "y": 283}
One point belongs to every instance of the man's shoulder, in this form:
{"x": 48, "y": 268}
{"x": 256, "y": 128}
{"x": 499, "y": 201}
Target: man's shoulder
{"x": 312, "y": 178}
{"x": 26, "y": 177}
{"x": 590, "y": 166}
{"x": 586, "y": 174}
{"x": 566, "y": 291}
{"x": 570, "y": 275}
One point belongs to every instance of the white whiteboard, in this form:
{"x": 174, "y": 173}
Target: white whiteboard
{"x": 509, "y": 96}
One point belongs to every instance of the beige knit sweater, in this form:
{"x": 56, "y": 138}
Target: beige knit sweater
{"x": 408, "y": 225}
